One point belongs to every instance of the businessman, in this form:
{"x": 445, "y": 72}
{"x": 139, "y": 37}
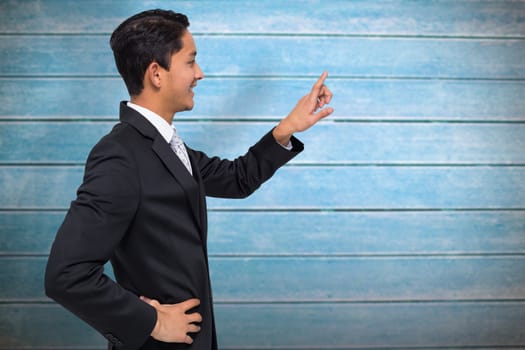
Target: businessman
{"x": 142, "y": 203}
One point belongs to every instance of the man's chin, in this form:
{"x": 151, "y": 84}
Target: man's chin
{"x": 191, "y": 104}
{"x": 189, "y": 107}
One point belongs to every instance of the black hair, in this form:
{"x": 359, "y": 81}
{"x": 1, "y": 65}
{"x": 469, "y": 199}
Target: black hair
{"x": 149, "y": 36}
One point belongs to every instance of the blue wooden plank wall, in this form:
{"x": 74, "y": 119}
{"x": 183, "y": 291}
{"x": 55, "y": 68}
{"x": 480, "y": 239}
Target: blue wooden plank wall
{"x": 401, "y": 226}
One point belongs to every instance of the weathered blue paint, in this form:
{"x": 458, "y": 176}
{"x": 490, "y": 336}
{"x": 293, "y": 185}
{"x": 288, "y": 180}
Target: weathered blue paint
{"x": 315, "y": 233}
{"x": 305, "y": 279}
{"x": 402, "y": 225}
{"x": 448, "y": 325}
{"x": 470, "y": 18}
{"x": 329, "y": 143}
{"x": 89, "y": 55}
{"x": 329, "y": 187}
{"x": 251, "y": 97}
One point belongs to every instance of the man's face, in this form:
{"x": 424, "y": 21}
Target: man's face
{"x": 182, "y": 77}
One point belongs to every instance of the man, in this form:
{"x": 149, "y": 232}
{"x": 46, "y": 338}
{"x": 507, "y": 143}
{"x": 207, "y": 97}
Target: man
{"x": 142, "y": 201}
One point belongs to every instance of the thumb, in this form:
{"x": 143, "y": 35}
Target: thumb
{"x": 324, "y": 113}
{"x": 149, "y": 301}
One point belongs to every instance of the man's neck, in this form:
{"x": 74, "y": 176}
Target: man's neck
{"x": 145, "y": 102}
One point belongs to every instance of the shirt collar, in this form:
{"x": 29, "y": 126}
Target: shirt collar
{"x": 162, "y": 126}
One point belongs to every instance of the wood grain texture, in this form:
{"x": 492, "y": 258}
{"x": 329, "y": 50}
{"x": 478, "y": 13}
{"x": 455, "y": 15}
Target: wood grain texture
{"x": 223, "y": 98}
{"x": 442, "y": 18}
{"x": 329, "y": 143}
{"x": 89, "y": 55}
{"x": 324, "y": 279}
{"x": 321, "y": 326}
{"x": 370, "y": 326}
{"x": 321, "y": 187}
{"x": 317, "y": 233}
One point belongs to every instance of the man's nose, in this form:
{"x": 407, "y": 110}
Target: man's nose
{"x": 198, "y": 72}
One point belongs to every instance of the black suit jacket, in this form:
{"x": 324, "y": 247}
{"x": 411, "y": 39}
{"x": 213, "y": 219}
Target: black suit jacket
{"x": 139, "y": 208}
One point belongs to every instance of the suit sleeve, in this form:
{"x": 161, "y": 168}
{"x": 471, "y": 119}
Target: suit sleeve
{"x": 94, "y": 225}
{"x": 241, "y": 177}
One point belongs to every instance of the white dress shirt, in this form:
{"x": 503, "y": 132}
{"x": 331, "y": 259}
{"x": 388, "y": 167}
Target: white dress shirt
{"x": 162, "y": 126}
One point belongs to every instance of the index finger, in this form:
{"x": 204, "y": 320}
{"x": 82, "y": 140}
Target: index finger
{"x": 319, "y": 83}
{"x": 190, "y": 304}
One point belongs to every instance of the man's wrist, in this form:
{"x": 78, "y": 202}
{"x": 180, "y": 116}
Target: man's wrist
{"x": 156, "y": 328}
{"x": 282, "y": 134}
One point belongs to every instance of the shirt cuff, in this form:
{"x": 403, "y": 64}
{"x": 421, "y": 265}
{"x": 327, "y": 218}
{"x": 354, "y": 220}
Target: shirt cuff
{"x": 288, "y": 146}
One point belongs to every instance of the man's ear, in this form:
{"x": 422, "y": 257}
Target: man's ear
{"x": 152, "y": 76}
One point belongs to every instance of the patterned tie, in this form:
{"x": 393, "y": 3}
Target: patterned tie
{"x": 180, "y": 150}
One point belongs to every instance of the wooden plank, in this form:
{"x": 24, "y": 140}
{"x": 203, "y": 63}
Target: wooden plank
{"x": 234, "y": 233}
{"x": 365, "y": 233}
{"x": 23, "y": 279}
{"x": 362, "y": 57}
{"x": 303, "y": 326}
{"x": 44, "y": 326}
{"x": 220, "y": 98}
{"x": 26, "y": 185}
{"x": 375, "y": 143}
{"x": 370, "y": 326}
{"x": 321, "y": 279}
{"x": 368, "y": 187}
{"x": 50, "y": 142}
{"x": 52, "y": 96}
{"x": 333, "y": 143}
{"x": 66, "y": 55}
{"x": 388, "y": 188}
{"x": 367, "y": 279}
{"x": 459, "y": 18}
{"x": 28, "y": 232}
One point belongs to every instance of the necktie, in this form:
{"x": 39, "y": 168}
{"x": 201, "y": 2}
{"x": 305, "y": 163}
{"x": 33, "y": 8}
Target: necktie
{"x": 180, "y": 150}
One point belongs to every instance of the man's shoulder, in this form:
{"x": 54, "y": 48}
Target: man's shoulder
{"x": 121, "y": 139}
{"x": 122, "y": 133}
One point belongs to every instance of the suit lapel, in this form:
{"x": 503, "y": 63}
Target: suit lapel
{"x": 202, "y": 196}
{"x": 168, "y": 157}
{"x": 179, "y": 172}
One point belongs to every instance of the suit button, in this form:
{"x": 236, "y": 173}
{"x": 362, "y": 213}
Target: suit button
{"x": 114, "y": 340}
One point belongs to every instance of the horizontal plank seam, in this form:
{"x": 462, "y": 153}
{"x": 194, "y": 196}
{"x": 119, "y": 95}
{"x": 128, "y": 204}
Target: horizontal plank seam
{"x": 518, "y": 254}
{"x": 307, "y": 347}
{"x": 383, "y": 347}
{"x": 364, "y": 210}
{"x": 334, "y": 347}
{"x": 403, "y": 164}
{"x": 287, "y": 34}
{"x": 48, "y": 302}
{"x": 303, "y": 210}
{"x": 36, "y": 347}
{"x": 73, "y": 348}
{"x": 327, "y": 256}
{"x": 299, "y": 165}
{"x": 346, "y": 347}
{"x": 292, "y": 164}
{"x": 269, "y": 119}
{"x": 269, "y": 77}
